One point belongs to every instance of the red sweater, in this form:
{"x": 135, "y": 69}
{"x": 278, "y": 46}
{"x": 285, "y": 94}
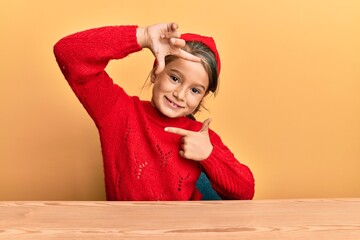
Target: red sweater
{"x": 141, "y": 160}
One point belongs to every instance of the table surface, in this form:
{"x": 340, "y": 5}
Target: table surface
{"x": 257, "y": 219}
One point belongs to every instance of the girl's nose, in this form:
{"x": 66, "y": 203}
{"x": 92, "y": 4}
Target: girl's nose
{"x": 179, "y": 93}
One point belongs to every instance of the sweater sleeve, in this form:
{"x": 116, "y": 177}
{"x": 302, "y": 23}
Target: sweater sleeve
{"x": 83, "y": 57}
{"x": 230, "y": 178}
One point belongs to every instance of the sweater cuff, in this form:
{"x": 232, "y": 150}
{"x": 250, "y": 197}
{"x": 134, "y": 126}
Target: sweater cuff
{"x": 127, "y": 40}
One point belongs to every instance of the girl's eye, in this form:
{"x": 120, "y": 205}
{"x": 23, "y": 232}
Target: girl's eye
{"x": 195, "y": 90}
{"x": 174, "y": 79}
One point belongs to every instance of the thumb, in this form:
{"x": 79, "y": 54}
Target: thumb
{"x": 160, "y": 64}
{"x": 205, "y": 125}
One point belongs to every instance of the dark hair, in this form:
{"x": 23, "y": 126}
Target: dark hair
{"x": 208, "y": 61}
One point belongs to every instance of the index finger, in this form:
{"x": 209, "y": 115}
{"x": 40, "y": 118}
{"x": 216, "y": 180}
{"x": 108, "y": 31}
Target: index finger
{"x": 178, "y": 131}
{"x": 188, "y": 56}
{"x": 179, "y": 43}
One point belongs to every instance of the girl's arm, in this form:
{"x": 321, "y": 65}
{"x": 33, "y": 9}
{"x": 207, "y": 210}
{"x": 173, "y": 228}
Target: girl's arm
{"x": 82, "y": 58}
{"x": 230, "y": 178}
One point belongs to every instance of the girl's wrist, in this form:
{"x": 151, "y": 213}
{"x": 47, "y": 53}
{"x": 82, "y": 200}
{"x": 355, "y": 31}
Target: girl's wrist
{"x": 141, "y": 37}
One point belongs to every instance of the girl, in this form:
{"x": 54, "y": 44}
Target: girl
{"x": 153, "y": 150}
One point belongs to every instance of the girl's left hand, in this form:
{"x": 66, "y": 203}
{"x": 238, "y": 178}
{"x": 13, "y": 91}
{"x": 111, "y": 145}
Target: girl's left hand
{"x": 194, "y": 145}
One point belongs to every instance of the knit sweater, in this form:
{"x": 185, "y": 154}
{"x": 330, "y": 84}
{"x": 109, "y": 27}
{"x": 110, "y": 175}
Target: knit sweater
{"x": 141, "y": 161}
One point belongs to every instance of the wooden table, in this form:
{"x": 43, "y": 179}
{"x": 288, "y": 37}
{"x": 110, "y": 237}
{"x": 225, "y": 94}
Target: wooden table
{"x": 258, "y": 219}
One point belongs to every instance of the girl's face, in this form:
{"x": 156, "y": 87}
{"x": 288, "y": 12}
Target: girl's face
{"x": 179, "y": 88}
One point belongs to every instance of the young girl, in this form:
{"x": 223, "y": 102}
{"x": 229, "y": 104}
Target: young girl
{"x": 153, "y": 150}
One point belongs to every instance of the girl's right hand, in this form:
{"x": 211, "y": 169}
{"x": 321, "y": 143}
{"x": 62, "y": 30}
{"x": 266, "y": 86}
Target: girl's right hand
{"x": 163, "y": 39}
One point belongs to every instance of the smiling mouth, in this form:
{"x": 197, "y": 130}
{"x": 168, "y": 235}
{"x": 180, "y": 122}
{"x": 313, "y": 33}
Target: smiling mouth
{"x": 172, "y": 104}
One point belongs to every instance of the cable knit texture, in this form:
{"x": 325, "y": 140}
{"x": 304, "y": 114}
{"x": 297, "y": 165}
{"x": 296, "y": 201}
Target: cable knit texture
{"x": 141, "y": 160}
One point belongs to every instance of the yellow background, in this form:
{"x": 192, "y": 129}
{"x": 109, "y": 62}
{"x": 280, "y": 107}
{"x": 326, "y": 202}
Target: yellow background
{"x": 288, "y": 106}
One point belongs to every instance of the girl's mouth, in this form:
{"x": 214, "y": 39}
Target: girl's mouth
{"x": 173, "y": 104}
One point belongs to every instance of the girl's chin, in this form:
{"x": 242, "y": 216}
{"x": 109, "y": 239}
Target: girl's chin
{"x": 170, "y": 113}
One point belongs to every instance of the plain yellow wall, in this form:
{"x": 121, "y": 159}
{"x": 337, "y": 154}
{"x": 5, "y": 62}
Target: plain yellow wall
{"x": 288, "y": 106}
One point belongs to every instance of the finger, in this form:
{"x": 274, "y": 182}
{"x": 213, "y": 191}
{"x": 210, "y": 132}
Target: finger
{"x": 205, "y": 125}
{"x": 177, "y": 42}
{"x": 171, "y": 31}
{"x": 174, "y": 26}
{"x": 188, "y": 56}
{"x": 160, "y": 63}
{"x": 182, "y": 153}
{"x": 178, "y": 131}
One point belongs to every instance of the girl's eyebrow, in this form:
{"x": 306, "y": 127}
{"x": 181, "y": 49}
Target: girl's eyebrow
{"x": 182, "y": 76}
{"x": 177, "y": 71}
{"x": 201, "y": 86}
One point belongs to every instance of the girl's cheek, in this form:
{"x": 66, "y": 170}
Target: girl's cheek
{"x": 196, "y": 101}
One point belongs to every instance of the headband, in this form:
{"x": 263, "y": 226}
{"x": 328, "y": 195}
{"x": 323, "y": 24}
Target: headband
{"x": 208, "y": 41}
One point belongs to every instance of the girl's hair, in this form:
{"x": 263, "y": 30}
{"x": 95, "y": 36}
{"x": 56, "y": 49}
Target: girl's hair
{"x": 208, "y": 60}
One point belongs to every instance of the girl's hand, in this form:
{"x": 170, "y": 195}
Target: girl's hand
{"x": 163, "y": 39}
{"x": 194, "y": 145}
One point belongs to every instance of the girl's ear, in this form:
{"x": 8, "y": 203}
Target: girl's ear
{"x": 153, "y": 76}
